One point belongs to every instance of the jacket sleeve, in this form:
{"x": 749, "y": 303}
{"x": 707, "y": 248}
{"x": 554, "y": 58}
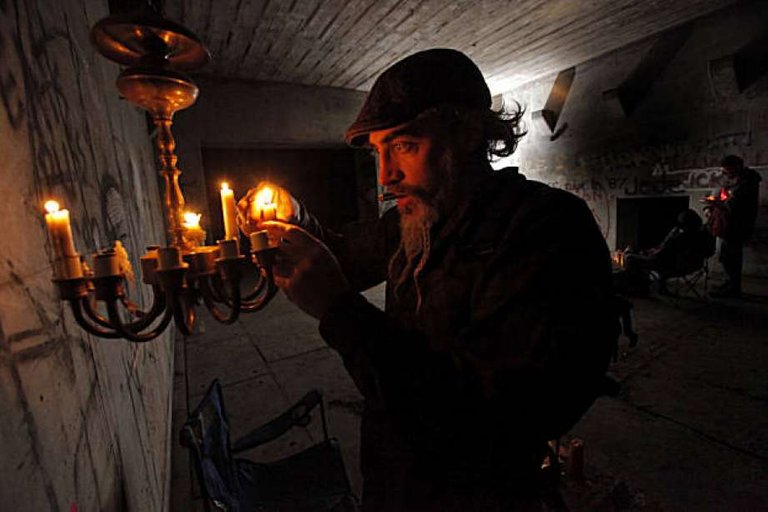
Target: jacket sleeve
{"x": 362, "y": 248}
{"x": 529, "y": 361}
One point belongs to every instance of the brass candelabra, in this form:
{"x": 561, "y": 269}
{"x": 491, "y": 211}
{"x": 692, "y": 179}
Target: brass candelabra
{"x": 182, "y": 275}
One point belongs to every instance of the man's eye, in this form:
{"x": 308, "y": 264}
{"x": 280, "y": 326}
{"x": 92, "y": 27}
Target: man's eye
{"x": 403, "y": 147}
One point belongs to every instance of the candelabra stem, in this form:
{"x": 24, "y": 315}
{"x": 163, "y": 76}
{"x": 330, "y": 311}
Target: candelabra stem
{"x": 174, "y": 199}
{"x": 183, "y": 314}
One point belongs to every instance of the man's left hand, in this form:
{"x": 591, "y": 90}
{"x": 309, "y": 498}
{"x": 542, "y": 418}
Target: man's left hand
{"x": 305, "y": 269}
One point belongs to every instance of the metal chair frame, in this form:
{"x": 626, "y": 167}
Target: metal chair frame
{"x": 239, "y": 485}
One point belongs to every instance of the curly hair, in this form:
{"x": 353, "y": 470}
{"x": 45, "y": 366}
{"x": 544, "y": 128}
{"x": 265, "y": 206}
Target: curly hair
{"x": 502, "y": 131}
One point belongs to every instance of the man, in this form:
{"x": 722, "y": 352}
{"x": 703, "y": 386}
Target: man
{"x": 498, "y": 324}
{"x": 740, "y": 210}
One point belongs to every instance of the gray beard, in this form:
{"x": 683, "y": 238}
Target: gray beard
{"x": 415, "y": 245}
{"x": 416, "y": 226}
{"x": 415, "y": 230}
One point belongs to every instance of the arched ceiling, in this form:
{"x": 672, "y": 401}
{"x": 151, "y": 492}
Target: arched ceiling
{"x": 348, "y": 43}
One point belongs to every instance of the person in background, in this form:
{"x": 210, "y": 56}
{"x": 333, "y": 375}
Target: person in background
{"x": 732, "y": 219}
{"x": 499, "y": 323}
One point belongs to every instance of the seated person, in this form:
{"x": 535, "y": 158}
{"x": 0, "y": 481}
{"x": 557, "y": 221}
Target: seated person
{"x": 682, "y": 251}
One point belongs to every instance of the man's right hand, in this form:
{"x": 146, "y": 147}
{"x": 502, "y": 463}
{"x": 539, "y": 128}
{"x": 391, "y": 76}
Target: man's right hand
{"x": 306, "y": 269}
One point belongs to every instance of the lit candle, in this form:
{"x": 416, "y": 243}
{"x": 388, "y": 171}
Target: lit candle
{"x": 60, "y": 230}
{"x": 193, "y": 233}
{"x": 66, "y": 261}
{"x": 264, "y": 207}
{"x": 229, "y": 211}
{"x": 259, "y": 241}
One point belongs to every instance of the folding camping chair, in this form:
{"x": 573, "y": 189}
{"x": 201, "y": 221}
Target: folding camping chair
{"x": 314, "y": 479}
{"x": 687, "y": 280}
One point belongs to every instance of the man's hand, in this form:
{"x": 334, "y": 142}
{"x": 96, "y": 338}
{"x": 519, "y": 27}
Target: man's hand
{"x": 305, "y": 269}
{"x": 287, "y": 207}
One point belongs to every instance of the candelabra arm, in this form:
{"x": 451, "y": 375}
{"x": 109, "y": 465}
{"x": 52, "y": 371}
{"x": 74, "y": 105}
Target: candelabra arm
{"x": 215, "y": 288}
{"x": 127, "y": 333}
{"x": 258, "y": 289}
{"x": 77, "y": 306}
{"x": 145, "y": 317}
{"x": 157, "y": 308}
{"x": 210, "y": 302}
{"x": 268, "y": 295}
{"x": 174, "y": 199}
{"x": 93, "y": 315}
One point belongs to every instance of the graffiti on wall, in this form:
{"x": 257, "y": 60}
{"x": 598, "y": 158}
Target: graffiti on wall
{"x": 599, "y": 192}
{"x": 700, "y": 154}
{"x": 47, "y": 91}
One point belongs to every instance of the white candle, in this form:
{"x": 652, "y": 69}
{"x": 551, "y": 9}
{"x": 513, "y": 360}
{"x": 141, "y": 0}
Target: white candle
{"x": 59, "y": 230}
{"x": 264, "y": 207}
{"x": 259, "y": 241}
{"x": 229, "y": 211}
{"x": 67, "y": 267}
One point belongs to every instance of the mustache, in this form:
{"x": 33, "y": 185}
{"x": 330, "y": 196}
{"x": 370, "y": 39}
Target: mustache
{"x": 408, "y": 190}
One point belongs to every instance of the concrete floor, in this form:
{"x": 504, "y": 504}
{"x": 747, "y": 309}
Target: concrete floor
{"x": 688, "y": 431}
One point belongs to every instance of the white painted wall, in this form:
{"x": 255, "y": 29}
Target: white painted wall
{"x": 85, "y": 422}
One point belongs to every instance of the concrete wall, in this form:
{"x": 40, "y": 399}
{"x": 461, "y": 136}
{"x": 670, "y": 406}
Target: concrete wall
{"x": 85, "y": 422}
{"x": 673, "y": 142}
{"x": 237, "y": 114}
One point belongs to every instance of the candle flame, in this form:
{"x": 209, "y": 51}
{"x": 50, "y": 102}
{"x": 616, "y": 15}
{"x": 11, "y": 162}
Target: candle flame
{"x": 224, "y": 185}
{"x": 192, "y": 220}
{"x": 51, "y": 206}
{"x": 265, "y": 197}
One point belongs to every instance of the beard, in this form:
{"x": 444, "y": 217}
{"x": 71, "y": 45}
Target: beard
{"x": 430, "y": 204}
{"x": 415, "y": 228}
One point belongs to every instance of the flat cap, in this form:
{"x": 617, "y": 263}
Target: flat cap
{"x": 421, "y": 81}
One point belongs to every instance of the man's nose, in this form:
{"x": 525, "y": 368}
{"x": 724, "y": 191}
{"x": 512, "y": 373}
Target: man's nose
{"x": 389, "y": 170}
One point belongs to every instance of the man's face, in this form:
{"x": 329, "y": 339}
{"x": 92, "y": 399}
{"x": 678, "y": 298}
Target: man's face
{"x": 416, "y": 167}
{"x": 412, "y": 165}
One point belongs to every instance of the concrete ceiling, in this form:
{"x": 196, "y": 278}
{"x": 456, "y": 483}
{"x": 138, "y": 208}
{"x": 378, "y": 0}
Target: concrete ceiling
{"x": 348, "y": 43}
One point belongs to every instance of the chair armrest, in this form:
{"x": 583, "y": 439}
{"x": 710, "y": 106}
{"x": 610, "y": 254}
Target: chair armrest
{"x": 297, "y": 415}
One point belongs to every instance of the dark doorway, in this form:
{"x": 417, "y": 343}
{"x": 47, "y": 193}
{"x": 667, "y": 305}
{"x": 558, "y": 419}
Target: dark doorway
{"x": 337, "y": 185}
{"x": 642, "y": 223}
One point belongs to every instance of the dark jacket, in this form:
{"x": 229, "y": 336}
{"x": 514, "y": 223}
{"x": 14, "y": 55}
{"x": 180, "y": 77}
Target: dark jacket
{"x": 742, "y": 206}
{"x": 506, "y": 350}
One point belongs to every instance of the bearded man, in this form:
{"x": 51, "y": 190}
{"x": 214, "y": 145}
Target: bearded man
{"x": 498, "y": 324}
